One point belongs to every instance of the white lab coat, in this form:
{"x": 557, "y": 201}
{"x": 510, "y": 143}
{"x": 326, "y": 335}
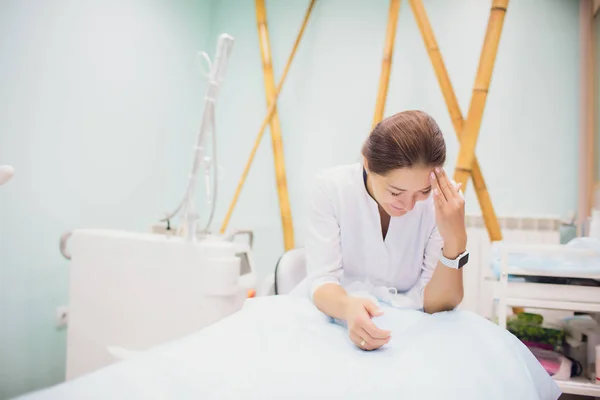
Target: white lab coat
{"x": 344, "y": 244}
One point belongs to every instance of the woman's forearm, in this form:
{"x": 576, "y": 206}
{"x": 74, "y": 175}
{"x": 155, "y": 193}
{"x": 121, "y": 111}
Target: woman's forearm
{"x": 444, "y": 291}
{"x": 445, "y": 288}
{"x": 331, "y": 299}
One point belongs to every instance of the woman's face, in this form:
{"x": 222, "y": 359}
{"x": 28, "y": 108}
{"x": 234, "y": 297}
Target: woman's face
{"x": 399, "y": 190}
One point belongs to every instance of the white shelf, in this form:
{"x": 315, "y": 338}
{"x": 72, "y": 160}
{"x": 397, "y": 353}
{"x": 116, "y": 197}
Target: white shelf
{"x": 552, "y": 304}
{"x": 553, "y": 273}
{"x": 579, "y": 386}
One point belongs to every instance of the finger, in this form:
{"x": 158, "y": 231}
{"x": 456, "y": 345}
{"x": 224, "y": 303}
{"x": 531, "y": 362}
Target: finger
{"x": 374, "y": 332}
{"x": 365, "y": 342}
{"x": 361, "y": 342}
{"x": 445, "y": 185}
{"x": 459, "y": 189}
{"x": 437, "y": 192}
{"x": 438, "y": 199}
{"x": 357, "y": 340}
{"x": 454, "y": 187}
{"x": 373, "y": 342}
{"x": 373, "y": 310}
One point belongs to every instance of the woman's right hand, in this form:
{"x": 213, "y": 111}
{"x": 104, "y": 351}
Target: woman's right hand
{"x": 362, "y": 330}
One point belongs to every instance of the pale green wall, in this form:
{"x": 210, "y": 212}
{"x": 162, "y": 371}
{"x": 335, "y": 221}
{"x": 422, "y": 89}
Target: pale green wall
{"x": 100, "y": 103}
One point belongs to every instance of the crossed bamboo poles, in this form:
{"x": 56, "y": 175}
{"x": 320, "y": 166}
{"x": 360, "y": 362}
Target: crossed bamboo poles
{"x": 272, "y": 96}
{"x": 467, "y": 130}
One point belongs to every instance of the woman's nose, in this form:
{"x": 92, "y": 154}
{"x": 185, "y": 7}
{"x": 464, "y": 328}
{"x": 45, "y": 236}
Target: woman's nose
{"x": 409, "y": 205}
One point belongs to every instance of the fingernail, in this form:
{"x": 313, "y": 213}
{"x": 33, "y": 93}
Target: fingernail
{"x": 432, "y": 176}
{"x": 437, "y": 170}
{"x": 435, "y": 191}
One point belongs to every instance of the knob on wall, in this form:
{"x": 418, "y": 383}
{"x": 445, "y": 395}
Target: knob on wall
{"x": 6, "y": 172}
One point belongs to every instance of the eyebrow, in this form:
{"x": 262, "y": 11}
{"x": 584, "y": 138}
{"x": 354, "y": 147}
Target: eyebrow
{"x": 404, "y": 190}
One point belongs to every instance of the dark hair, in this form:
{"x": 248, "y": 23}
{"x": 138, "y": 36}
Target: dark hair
{"x": 406, "y": 139}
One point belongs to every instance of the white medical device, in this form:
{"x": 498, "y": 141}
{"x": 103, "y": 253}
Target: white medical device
{"x": 130, "y": 291}
{"x": 6, "y": 173}
{"x": 134, "y": 291}
{"x": 215, "y": 76}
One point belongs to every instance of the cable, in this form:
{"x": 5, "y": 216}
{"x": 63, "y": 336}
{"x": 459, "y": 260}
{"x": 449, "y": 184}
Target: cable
{"x": 213, "y": 201}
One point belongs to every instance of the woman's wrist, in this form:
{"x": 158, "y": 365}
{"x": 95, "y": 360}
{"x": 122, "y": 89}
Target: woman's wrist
{"x": 332, "y": 299}
{"x": 452, "y": 249}
{"x": 345, "y": 306}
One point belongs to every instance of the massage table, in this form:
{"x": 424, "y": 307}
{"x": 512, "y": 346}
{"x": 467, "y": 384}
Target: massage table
{"x": 282, "y": 347}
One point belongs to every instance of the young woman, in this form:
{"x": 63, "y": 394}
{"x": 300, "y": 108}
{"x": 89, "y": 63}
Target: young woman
{"x": 395, "y": 220}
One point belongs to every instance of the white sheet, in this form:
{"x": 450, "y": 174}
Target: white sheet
{"x": 280, "y": 347}
{"x": 571, "y": 265}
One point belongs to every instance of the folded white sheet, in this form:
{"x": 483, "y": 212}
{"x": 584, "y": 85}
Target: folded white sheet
{"x": 282, "y": 347}
{"x": 571, "y": 264}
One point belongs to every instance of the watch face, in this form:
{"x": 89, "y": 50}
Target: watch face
{"x": 463, "y": 260}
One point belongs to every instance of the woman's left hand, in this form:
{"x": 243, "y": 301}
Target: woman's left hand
{"x": 449, "y": 213}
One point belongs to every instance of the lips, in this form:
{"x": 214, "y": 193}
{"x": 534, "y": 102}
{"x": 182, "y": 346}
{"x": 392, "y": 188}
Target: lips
{"x": 397, "y": 208}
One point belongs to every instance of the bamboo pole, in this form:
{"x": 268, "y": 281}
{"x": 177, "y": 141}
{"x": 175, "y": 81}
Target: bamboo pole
{"x": 593, "y": 138}
{"x": 386, "y": 63}
{"x": 487, "y": 209}
{"x": 596, "y": 101}
{"x": 278, "y": 156}
{"x": 586, "y": 124}
{"x": 266, "y": 120}
{"x": 466, "y": 154}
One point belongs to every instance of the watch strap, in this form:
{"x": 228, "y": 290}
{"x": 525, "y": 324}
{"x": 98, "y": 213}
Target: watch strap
{"x": 456, "y": 263}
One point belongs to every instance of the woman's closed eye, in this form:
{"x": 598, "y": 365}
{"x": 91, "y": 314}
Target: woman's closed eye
{"x": 424, "y": 192}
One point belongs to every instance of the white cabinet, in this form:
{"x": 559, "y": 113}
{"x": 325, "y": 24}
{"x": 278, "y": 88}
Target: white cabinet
{"x": 549, "y": 296}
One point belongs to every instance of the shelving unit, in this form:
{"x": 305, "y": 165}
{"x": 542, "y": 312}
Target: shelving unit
{"x": 553, "y": 304}
{"x": 579, "y": 386}
{"x": 551, "y": 297}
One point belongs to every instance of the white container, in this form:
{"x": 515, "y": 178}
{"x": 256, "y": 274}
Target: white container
{"x": 593, "y": 341}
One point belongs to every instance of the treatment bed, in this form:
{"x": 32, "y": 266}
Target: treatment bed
{"x": 283, "y": 347}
